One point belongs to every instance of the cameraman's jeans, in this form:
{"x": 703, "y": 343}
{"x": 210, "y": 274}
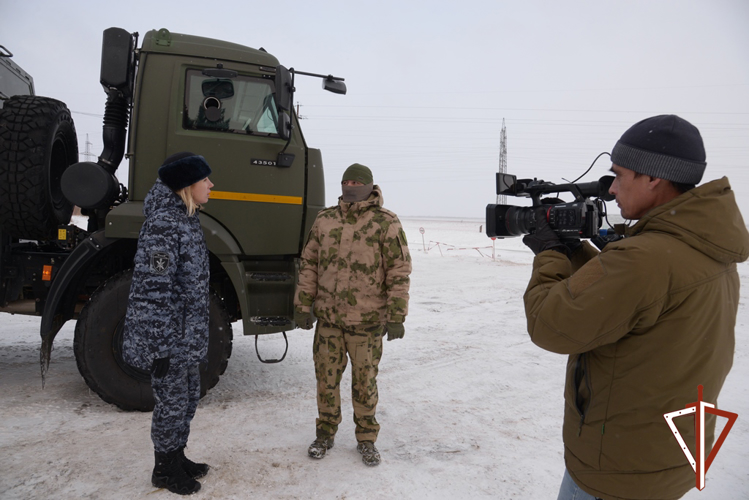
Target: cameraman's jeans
{"x": 571, "y": 491}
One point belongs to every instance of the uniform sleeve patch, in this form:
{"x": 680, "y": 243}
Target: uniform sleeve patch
{"x": 159, "y": 262}
{"x": 586, "y": 276}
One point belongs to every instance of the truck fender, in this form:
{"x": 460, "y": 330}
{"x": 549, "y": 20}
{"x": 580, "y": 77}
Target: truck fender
{"x": 60, "y": 304}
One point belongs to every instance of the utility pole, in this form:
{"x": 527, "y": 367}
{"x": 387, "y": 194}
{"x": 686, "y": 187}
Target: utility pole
{"x": 501, "y": 198}
{"x": 87, "y": 153}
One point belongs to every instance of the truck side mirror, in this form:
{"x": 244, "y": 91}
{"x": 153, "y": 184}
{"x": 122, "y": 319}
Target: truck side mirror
{"x": 284, "y": 125}
{"x": 335, "y": 86}
{"x": 284, "y": 89}
{"x": 284, "y": 101}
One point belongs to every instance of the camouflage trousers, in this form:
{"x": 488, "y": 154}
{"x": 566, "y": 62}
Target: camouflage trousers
{"x": 332, "y": 345}
{"x": 177, "y": 394}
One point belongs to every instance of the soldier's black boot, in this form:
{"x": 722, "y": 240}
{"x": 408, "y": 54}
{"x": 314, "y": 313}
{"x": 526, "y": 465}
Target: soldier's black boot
{"x": 168, "y": 473}
{"x": 195, "y": 471}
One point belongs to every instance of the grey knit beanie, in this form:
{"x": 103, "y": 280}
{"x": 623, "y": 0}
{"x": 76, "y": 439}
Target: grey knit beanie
{"x": 665, "y": 146}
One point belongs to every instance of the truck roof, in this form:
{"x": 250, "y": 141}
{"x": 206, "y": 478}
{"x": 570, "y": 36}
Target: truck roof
{"x": 163, "y": 41}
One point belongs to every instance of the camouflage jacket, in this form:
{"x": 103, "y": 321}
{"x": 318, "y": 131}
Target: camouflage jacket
{"x": 355, "y": 265}
{"x": 167, "y": 313}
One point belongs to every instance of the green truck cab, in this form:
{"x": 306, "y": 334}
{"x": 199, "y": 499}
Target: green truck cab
{"x": 229, "y": 103}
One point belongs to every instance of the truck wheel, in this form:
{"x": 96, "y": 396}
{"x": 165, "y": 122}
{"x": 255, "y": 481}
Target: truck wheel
{"x": 37, "y": 143}
{"x": 98, "y": 347}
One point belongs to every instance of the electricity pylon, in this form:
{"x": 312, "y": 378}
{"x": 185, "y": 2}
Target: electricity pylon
{"x": 502, "y": 199}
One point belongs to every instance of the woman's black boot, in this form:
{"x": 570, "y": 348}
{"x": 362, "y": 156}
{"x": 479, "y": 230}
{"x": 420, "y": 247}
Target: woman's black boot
{"x": 195, "y": 471}
{"x": 168, "y": 473}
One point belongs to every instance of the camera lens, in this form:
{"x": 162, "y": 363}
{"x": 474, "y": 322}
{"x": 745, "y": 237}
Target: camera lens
{"x": 507, "y": 220}
{"x": 520, "y": 220}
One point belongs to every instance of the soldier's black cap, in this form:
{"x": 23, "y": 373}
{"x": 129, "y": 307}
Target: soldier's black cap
{"x": 183, "y": 169}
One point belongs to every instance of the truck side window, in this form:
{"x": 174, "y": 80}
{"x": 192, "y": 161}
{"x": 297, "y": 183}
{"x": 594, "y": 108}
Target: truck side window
{"x": 13, "y": 80}
{"x": 242, "y": 104}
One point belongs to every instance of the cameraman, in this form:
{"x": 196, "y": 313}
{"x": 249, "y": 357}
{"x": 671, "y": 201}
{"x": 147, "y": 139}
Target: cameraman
{"x": 646, "y": 320}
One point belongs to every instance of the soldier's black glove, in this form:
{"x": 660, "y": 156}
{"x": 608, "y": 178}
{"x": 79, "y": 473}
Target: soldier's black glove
{"x": 544, "y": 238}
{"x": 395, "y": 330}
{"x": 602, "y": 241}
{"x": 303, "y": 320}
{"x": 160, "y": 367}
{"x": 572, "y": 244}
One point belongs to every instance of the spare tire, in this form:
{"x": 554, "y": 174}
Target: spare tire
{"x": 37, "y": 143}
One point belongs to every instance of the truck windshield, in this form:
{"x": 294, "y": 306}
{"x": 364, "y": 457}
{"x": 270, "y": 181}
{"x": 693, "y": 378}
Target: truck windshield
{"x": 241, "y": 104}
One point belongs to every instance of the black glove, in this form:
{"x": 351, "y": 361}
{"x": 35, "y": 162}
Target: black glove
{"x": 160, "y": 367}
{"x": 303, "y": 320}
{"x": 572, "y": 244}
{"x": 544, "y": 238}
{"x": 602, "y": 241}
{"x": 395, "y": 330}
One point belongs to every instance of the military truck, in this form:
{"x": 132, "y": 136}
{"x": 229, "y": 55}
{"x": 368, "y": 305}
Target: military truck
{"x": 230, "y": 103}
{"x": 13, "y": 79}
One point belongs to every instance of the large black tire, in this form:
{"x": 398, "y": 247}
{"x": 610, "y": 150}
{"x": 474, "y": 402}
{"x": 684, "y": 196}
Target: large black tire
{"x": 37, "y": 144}
{"x": 98, "y": 347}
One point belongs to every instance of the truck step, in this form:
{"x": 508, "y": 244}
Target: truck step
{"x": 270, "y": 276}
{"x": 270, "y": 320}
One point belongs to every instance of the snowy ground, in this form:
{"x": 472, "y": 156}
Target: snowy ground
{"x": 469, "y": 407}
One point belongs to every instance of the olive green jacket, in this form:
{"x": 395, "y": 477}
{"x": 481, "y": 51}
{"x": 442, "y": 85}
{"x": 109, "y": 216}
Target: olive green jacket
{"x": 645, "y": 322}
{"x": 355, "y": 265}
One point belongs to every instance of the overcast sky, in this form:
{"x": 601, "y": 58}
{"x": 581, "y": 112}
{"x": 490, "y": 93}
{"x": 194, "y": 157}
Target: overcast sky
{"x": 429, "y": 82}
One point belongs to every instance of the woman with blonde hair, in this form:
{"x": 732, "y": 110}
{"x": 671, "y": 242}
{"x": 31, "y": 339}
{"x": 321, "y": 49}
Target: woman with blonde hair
{"x": 166, "y": 326}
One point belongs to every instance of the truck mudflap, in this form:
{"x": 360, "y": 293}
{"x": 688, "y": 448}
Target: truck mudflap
{"x": 60, "y": 304}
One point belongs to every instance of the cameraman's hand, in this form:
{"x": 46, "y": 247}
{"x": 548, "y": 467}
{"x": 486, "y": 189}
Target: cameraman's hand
{"x": 572, "y": 244}
{"x": 303, "y": 320}
{"x": 395, "y": 330}
{"x": 160, "y": 367}
{"x": 544, "y": 238}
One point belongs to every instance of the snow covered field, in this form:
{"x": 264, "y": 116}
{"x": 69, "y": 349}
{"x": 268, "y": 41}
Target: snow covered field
{"x": 469, "y": 407}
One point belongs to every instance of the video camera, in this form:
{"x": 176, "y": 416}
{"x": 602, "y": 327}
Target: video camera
{"x": 579, "y": 219}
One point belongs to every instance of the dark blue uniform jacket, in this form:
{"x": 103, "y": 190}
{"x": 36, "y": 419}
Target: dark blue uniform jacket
{"x": 167, "y": 313}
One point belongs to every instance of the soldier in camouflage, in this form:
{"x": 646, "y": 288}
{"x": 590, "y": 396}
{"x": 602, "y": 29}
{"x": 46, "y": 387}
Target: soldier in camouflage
{"x": 166, "y": 326}
{"x": 354, "y": 277}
